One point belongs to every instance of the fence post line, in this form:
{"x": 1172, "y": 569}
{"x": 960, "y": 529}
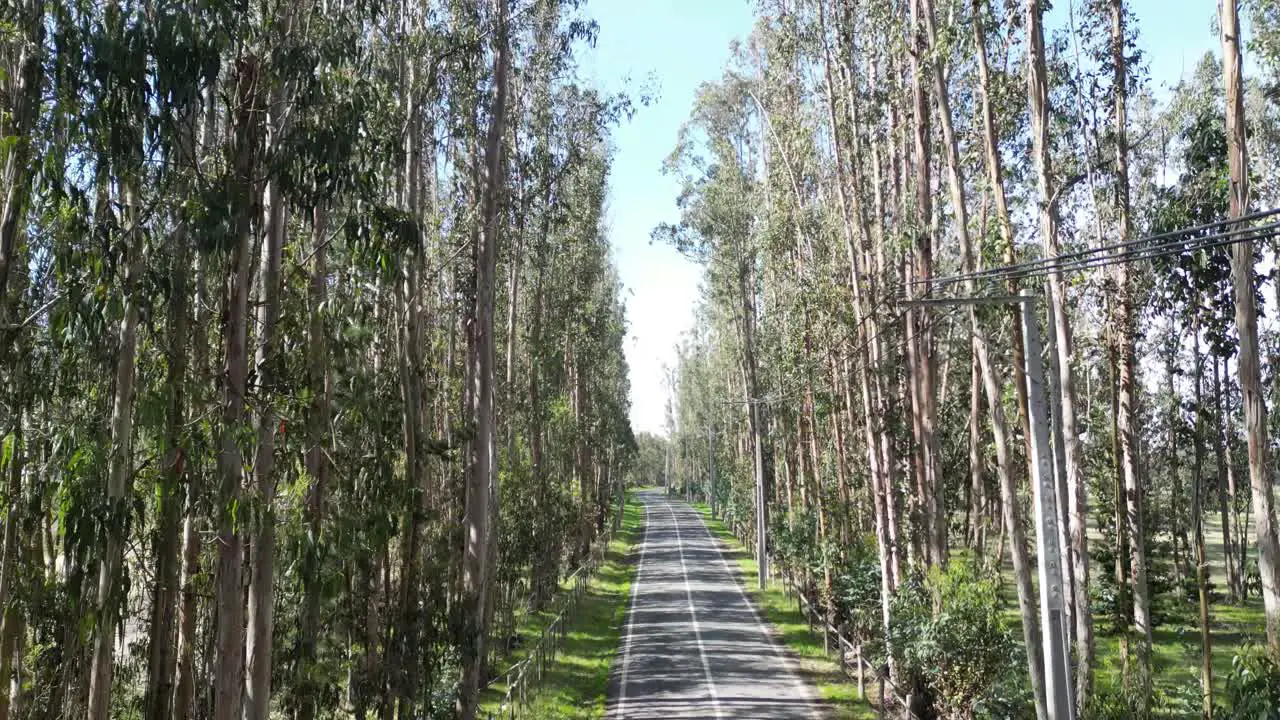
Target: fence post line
{"x": 539, "y": 658}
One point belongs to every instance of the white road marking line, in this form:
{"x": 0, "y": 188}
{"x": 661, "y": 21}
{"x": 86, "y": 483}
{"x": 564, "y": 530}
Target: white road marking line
{"x": 631, "y": 618}
{"x": 693, "y": 614}
{"x": 768, "y": 636}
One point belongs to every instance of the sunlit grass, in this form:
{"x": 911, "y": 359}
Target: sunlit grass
{"x": 1175, "y": 651}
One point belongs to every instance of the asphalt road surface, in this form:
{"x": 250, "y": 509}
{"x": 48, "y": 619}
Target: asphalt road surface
{"x": 693, "y": 645}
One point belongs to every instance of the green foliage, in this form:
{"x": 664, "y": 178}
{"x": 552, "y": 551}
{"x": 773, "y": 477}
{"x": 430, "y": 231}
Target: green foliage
{"x": 949, "y": 639}
{"x": 857, "y": 583}
{"x": 1123, "y": 703}
{"x": 1252, "y": 688}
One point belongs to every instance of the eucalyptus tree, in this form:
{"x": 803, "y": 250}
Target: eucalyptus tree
{"x": 329, "y": 169}
{"x": 1242, "y": 272}
{"x": 718, "y": 227}
{"x": 481, "y": 450}
{"x": 989, "y": 374}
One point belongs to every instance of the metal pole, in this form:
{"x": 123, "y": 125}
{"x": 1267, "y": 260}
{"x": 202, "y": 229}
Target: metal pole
{"x": 666, "y": 480}
{"x": 1059, "y": 687}
{"x": 1059, "y": 457}
{"x": 711, "y": 469}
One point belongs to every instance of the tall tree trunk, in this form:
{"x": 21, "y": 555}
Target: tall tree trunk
{"x": 1077, "y": 502}
{"x": 267, "y": 366}
{"x": 1197, "y": 525}
{"x": 120, "y": 473}
{"x": 15, "y": 187}
{"x": 933, "y": 513}
{"x": 1174, "y": 420}
{"x": 1225, "y": 501}
{"x": 184, "y": 686}
{"x": 17, "y": 124}
{"x": 228, "y": 672}
{"x": 756, "y": 421}
{"x": 1123, "y": 607}
{"x": 995, "y": 178}
{"x": 1127, "y": 421}
{"x": 1242, "y": 272}
{"x": 12, "y": 619}
{"x": 162, "y": 660}
{"x": 320, "y": 381}
{"x": 977, "y": 484}
{"x": 1022, "y": 567}
{"x": 546, "y": 562}
{"x": 848, "y": 189}
{"x": 481, "y": 475}
{"x": 402, "y": 633}
{"x": 1021, "y": 558}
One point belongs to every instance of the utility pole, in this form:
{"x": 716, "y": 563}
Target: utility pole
{"x": 666, "y": 478}
{"x": 1058, "y": 686}
{"x": 711, "y": 470}
{"x": 1059, "y": 690}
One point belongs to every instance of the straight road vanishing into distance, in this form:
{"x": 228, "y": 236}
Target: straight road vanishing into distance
{"x": 693, "y": 645}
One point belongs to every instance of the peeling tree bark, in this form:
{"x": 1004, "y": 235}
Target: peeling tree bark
{"x": 481, "y": 477}
{"x": 1242, "y": 279}
{"x": 1128, "y": 383}
{"x": 1077, "y": 498}
{"x": 228, "y": 669}
{"x": 120, "y": 473}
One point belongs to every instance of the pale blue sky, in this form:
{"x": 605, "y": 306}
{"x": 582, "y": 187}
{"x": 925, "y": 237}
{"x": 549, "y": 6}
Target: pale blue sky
{"x": 683, "y": 43}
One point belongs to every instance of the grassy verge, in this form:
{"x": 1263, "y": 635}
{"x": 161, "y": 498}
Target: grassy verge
{"x": 1175, "y": 651}
{"x": 576, "y": 684}
{"x": 779, "y": 609}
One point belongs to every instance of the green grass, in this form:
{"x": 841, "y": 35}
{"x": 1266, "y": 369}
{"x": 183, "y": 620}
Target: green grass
{"x": 777, "y": 607}
{"x": 1175, "y": 651}
{"x": 576, "y": 684}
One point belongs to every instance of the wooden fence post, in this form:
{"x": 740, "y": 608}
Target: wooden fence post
{"x": 862, "y": 683}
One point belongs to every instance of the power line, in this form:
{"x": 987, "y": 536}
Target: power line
{"x": 1034, "y": 266}
{"x": 1151, "y": 247}
{"x": 1147, "y": 248}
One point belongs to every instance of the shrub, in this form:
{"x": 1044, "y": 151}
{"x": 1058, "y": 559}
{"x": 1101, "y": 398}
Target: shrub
{"x": 857, "y": 591}
{"x": 1252, "y": 689}
{"x": 950, "y": 643}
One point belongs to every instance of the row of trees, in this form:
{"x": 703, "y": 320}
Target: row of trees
{"x": 854, "y": 152}
{"x": 297, "y": 299}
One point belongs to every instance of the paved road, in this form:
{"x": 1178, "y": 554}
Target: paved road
{"x": 693, "y": 646}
